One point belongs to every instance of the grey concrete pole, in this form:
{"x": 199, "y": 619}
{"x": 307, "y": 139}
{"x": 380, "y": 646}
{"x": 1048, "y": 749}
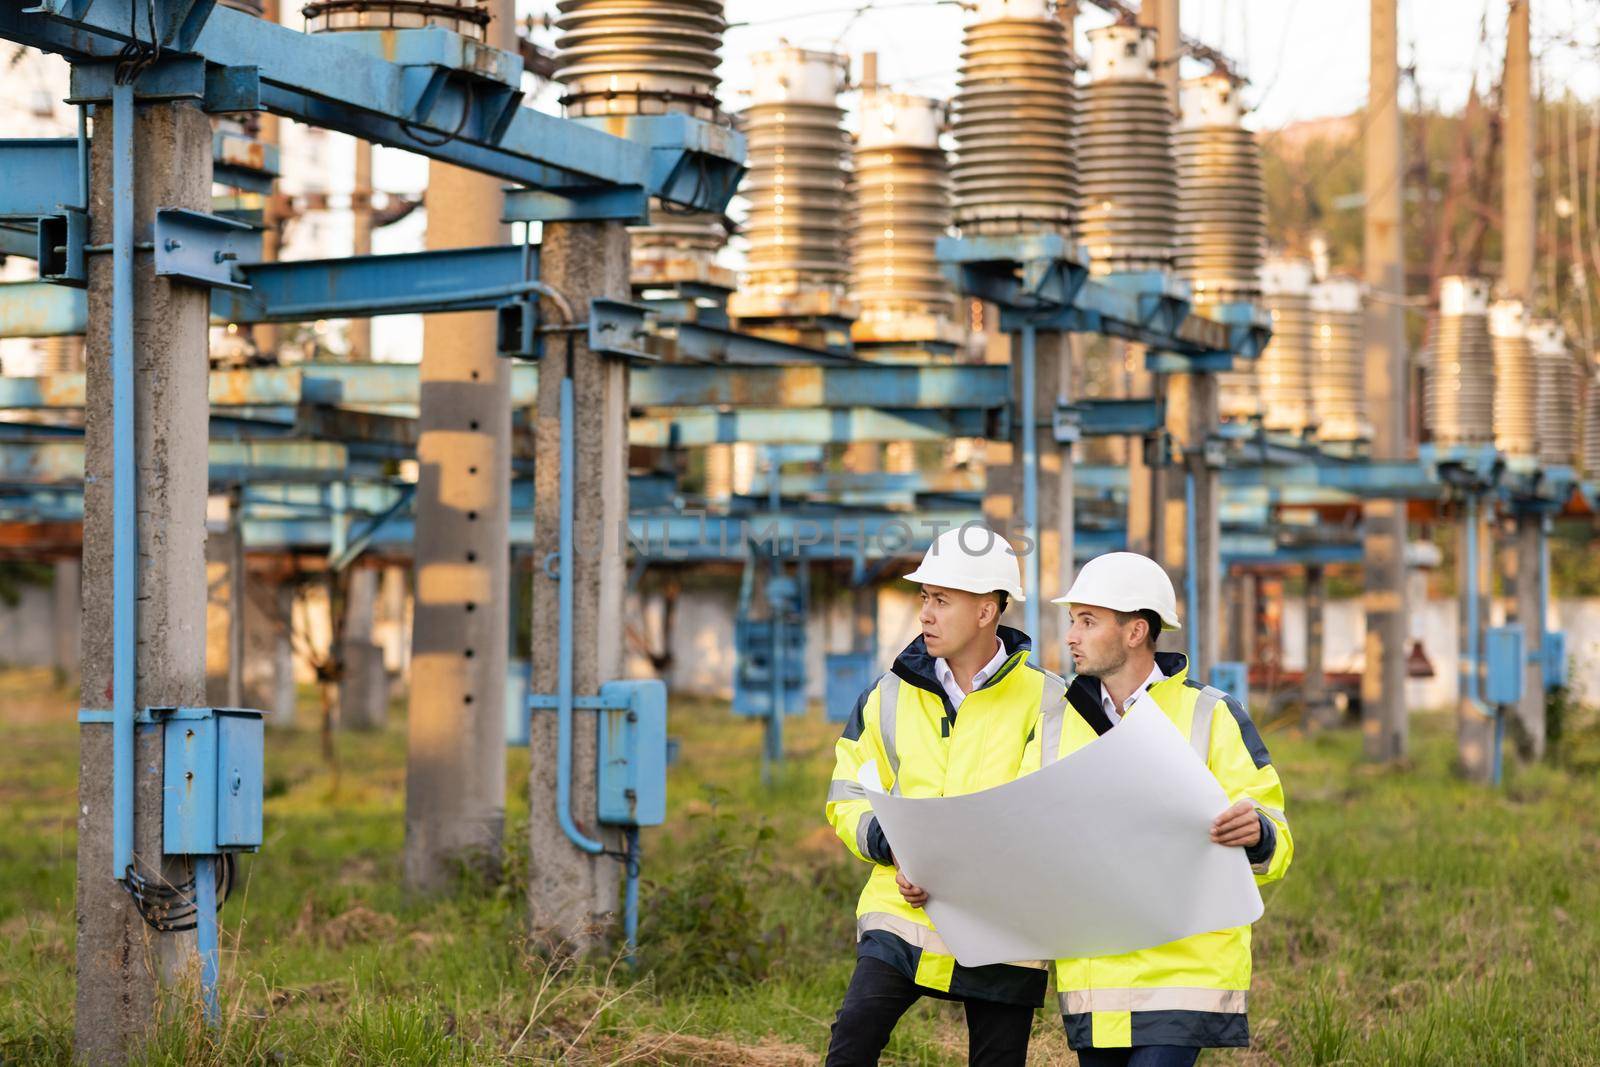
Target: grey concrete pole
{"x": 363, "y": 679}
{"x": 120, "y": 960}
{"x": 1053, "y": 384}
{"x": 361, "y": 242}
{"x": 1191, "y": 417}
{"x": 572, "y": 894}
{"x": 456, "y": 744}
{"x": 1384, "y": 725}
{"x": 1320, "y": 712}
{"x": 67, "y": 612}
{"x": 1518, "y": 237}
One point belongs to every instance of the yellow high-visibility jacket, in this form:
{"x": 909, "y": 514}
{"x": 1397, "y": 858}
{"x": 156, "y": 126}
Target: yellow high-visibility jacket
{"x": 925, "y": 748}
{"x": 1192, "y": 992}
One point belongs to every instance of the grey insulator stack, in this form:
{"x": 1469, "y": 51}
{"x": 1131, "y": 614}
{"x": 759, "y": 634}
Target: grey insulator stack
{"x": 639, "y": 57}
{"x": 1013, "y": 122}
{"x": 469, "y": 18}
{"x": 1458, "y": 402}
{"x": 649, "y": 57}
{"x": 1128, "y": 178}
{"x": 1558, "y": 395}
{"x": 1338, "y": 354}
{"x": 1283, "y": 371}
{"x": 1591, "y": 427}
{"x": 1222, "y": 198}
{"x": 796, "y": 187}
{"x": 902, "y": 186}
{"x": 1516, "y": 381}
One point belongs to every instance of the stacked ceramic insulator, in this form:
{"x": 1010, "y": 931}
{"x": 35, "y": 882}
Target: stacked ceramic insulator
{"x": 1128, "y": 178}
{"x": 649, "y": 57}
{"x": 1338, "y": 357}
{"x": 903, "y": 208}
{"x": 60, "y": 355}
{"x": 469, "y": 18}
{"x": 1458, "y": 403}
{"x": 1012, "y": 118}
{"x": 1591, "y": 427}
{"x": 1516, "y": 381}
{"x": 1222, "y": 213}
{"x": 795, "y": 185}
{"x": 1283, "y": 370}
{"x": 1558, "y": 394}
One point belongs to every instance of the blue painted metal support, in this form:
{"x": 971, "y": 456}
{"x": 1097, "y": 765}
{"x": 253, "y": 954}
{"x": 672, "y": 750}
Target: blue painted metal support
{"x": 630, "y": 898}
{"x": 564, "y": 712}
{"x": 1471, "y": 660}
{"x": 206, "y": 935}
{"x": 124, "y": 483}
{"x": 42, "y": 309}
{"x": 1108, "y": 418}
{"x": 443, "y": 96}
{"x": 338, "y": 522}
{"x": 787, "y": 425}
{"x": 1030, "y": 478}
{"x": 457, "y": 279}
{"x": 40, "y": 174}
{"x": 772, "y": 750}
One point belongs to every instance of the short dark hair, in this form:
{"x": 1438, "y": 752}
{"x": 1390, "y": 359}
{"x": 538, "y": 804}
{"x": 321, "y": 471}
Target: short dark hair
{"x": 1002, "y": 598}
{"x": 1151, "y": 619}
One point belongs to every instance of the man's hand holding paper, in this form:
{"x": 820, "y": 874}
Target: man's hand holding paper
{"x": 1107, "y": 850}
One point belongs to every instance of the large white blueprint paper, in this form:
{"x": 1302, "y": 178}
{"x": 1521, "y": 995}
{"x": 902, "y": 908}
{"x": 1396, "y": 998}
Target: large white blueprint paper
{"x": 1105, "y": 851}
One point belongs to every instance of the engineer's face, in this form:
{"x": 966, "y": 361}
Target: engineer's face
{"x": 1097, "y": 642}
{"x": 952, "y": 618}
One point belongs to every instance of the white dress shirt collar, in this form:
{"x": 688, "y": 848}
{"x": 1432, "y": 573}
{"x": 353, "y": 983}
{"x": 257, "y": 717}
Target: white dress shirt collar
{"x": 1109, "y": 706}
{"x": 947, "y": 677}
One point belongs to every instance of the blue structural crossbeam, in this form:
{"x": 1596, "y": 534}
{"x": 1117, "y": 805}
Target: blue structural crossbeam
{"x": 839, "y": 425}
{"x": 1043, "y": 281}
{"x": 60, "y": 462}
{"x": 440, "y": 95}
{"x": 42, "y": 309}
{"x": 1395, "y": 479}
{"x": 904, "y": 386}
{"x": 41, "y": 176}
{"x": 395, "y": 387}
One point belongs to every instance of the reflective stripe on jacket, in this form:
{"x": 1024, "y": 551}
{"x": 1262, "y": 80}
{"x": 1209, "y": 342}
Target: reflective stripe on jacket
{"x": 926, "y": 748}
{"x": 1194, "y": 991}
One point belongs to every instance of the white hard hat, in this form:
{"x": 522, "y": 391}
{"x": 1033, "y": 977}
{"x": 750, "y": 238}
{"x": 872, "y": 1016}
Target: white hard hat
{"x": 1125, "y": 581}
{"x": 971, "y": 557}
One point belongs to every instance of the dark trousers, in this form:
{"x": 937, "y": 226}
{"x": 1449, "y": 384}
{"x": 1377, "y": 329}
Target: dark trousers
{"x": 1141, "y": 1056}
{"x": 997, "y": 1034}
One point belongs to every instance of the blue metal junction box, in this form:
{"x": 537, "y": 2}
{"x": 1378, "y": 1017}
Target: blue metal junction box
{"x": 1503, "y": 665}
{"x": 633, "y": 753}
{"x": 212, "y": 782}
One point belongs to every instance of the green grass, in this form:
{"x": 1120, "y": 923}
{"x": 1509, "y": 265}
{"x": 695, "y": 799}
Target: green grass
{"x": 1425, "y": 921}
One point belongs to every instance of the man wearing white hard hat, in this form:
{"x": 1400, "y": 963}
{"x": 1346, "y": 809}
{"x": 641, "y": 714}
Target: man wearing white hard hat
{"x": 953, "y": 715}
{"x": 1158, "y": 1007}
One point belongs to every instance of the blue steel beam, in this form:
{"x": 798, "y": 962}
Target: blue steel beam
{"x": 907, "y": 386}
{"x": 60, "y": 462}
{"x": 442, "y": 96}
{"x": 839, "y": 425}
{"x": 458, "y": 279}
{"x": 1373, "y": 479}
{"x": 40, "y": 176}
{"x": 42, "y": 309}
{"x": 395, "y": 385}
